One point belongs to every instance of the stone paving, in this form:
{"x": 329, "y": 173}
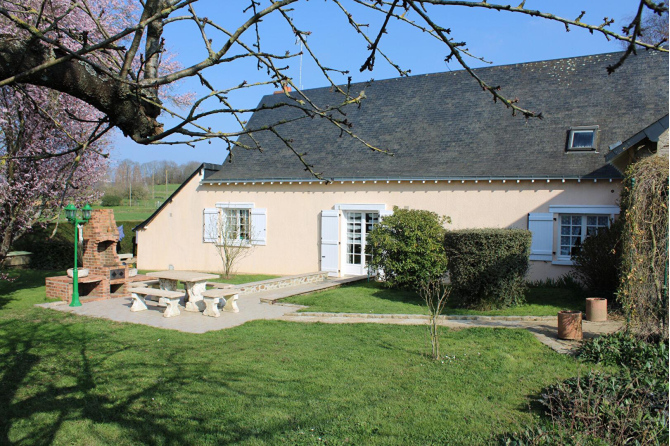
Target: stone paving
{"x": 266, "y": 305}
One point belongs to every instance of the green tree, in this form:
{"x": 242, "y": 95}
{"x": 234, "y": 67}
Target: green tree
{"x": 408, "y": 248}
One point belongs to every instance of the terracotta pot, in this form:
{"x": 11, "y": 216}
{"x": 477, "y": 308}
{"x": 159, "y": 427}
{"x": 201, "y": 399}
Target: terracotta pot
{"x": 82, "y": 272}
{"x": 570, "y": 325}
{"x": 596, "y": 309}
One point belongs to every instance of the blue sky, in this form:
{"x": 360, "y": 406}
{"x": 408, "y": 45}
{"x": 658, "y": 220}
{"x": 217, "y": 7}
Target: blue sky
{"x": 500, "y": 37}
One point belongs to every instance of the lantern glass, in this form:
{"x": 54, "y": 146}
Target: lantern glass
{"x": 71, "y": 212}
{"x": 86, "y": 212}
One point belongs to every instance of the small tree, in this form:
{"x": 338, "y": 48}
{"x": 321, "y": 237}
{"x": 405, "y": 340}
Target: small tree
{"x": 233, "y": 235}
{"x": 435, "y": 295}
{"x": 408, "y": 247}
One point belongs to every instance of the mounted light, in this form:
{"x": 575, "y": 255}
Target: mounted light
{"x": 71, "y": 213}
{"x": 86, "y": 212}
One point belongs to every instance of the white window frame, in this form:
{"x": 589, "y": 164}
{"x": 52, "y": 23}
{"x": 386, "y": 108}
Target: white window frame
{"x": 571, "y": 133}
{"x": 224, "y": 210}
{"x": 257, "y": 224}
{"x": 226, "y": 215}
{"x": 583, "y": 211}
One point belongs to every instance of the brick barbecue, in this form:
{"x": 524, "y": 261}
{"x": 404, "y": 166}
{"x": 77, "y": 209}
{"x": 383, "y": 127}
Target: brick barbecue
{"x": 108, "y": 276}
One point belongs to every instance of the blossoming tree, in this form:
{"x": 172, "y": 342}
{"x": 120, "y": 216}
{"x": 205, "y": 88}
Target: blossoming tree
{"x": 42, "y": 163}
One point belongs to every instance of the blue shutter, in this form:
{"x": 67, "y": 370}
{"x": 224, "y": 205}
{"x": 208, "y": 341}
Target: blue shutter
{"x": 330, "y": 241}
{"x": 259, "y": 222}
{"x": 210, "y": 222}
{"x": 542, "y": 227}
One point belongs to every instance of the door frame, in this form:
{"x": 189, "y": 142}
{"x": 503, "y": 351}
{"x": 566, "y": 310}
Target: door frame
{"x": 380, "y": 209}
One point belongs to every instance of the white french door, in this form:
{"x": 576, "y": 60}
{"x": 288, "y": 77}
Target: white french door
{"x": 358, "y": 225}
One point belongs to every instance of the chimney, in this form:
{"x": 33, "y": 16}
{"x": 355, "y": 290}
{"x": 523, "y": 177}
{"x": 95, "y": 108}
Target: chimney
{"x": 286, "y": 88}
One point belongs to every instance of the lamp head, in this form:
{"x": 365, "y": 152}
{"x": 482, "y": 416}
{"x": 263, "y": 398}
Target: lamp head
{"x": 86, "y": 212}
{"x": 71, "y": 213}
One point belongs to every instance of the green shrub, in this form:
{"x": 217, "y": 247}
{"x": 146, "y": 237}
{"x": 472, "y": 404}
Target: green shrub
{"x": 626, "y": 350}
{"x": 111, "y": 200}
{"x": 408, "y": 247}
{"x": 601, "y": 409}
{"x": 618, "y": 409}
{"x": 598, "y": 262}
{"x": 487, "y": 267}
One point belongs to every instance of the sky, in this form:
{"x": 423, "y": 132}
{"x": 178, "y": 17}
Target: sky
{"x": 500, "y": 38}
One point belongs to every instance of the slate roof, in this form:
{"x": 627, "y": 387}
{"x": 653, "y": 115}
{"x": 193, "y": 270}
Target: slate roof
{"x": 444, "y": 126}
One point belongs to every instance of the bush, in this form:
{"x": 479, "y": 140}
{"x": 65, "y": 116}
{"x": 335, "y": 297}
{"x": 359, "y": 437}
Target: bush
{"x": 487, "y": 267}
{"x": 598, "y": 262}
{"x": 111, "y": 200}
{"x": 618, "y": 409}
{"x": 644, "y": 202}
{"x": 625, "y": 350}
{"x": 408, "y": 247}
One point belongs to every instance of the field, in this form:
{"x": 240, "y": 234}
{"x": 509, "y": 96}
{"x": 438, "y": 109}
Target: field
{"x": 142, "y": 209}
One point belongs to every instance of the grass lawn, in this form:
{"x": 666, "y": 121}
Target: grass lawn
{"x": 67, "y": 379}
{"x": 371, "y": 297}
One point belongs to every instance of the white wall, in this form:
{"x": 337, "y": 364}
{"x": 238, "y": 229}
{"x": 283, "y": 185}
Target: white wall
{"x": 174, "y": 237}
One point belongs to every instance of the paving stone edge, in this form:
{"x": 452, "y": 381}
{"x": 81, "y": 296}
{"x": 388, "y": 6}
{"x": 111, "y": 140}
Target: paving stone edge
{"x": 424, "y": 316}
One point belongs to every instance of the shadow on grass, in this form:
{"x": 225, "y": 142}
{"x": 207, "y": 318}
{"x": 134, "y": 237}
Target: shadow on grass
{"x": 74, "y": 392}
{"x": 22, "y": 280}
{"x": 551, "y": 298}
{"x": 393, "y": 295}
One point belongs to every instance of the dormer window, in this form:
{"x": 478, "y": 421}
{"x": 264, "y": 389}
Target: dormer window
{"x": 582, "y": 138}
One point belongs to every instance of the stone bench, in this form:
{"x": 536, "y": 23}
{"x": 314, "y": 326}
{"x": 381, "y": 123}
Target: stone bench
{"x": 146, "y": 283}
{"x": 171, "y": 299}
{"x": 214, "y": 296}
{"x": 223, "y": 286}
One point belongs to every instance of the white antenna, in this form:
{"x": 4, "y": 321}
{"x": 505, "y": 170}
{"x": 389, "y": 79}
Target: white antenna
{"x": 298, "y": 39}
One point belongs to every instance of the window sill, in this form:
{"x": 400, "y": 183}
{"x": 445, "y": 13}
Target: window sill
{"x": 236, "y": 243}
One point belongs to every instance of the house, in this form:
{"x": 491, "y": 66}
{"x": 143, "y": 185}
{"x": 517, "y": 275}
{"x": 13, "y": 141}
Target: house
{"x": 454, "y": 152}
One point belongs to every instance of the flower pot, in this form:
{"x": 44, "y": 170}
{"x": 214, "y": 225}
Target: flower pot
{"x": 570, "y": 325}
{"x": 596, "y": 309}
{"x": 82, "y": 272}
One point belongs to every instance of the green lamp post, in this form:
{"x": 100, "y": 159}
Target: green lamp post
{"x": 71, "y": 214}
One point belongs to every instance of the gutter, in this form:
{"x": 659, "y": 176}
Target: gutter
{"x": 448, "y": 179}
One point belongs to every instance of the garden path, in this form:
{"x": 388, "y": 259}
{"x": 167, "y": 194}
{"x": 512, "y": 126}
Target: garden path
{"x": 255, "y": 306}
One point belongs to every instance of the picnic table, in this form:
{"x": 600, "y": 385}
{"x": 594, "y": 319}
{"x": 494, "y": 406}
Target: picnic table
{"x": 194, "y": 284}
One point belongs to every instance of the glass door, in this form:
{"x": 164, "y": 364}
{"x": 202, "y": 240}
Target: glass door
{"x": 357, "y": 227}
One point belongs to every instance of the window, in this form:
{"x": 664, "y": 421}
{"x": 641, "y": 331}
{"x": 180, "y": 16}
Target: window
{"x": 582, "y": 138}
{"x": 240, "y": 223}
{"x": 575, "y": 228}
{"x": 236, "y": 225}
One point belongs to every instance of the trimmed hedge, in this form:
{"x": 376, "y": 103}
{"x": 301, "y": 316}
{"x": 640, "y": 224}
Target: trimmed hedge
{"x": 57, "y": 252}
{"x": 487, "y": 267}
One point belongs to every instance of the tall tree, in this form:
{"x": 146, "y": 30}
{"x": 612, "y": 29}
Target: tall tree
{"x": 111, "y": 54}
{"x": 42, "y": 164}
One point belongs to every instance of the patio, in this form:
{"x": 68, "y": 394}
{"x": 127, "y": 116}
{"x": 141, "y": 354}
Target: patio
{"x": 118, "y": 310}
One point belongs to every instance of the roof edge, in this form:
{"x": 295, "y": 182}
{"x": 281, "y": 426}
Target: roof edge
{"x": 204, "y": 166}
{"x": 652, "y": 132}
{"x": 409, "y": 179}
